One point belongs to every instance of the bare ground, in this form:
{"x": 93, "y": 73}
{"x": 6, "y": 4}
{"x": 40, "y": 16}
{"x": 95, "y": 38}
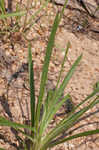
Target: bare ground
{"x": 13, "y": 57}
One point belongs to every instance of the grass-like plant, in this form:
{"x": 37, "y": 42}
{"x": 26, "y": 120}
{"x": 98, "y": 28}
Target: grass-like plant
{"x": 39, "y": 139}
{"x": 22, "y": 21}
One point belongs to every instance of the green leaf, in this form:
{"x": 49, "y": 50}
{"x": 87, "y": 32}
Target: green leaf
{"x": 62, "y": 65}
{"x": 32, "y": 88}
{"x": 82, "y": 134}
{"x": 62, "y": 12}
{"x": 2, "y": 6}
{"x": 26, "y": 135}
{"x": 67, "y": 123}
{"x": 49, "y": 98}
{"x": 45, "y": 122}
{"x": 5, "y": 122}
{"x": 21, "y": 13}
{"x": 58, "y": 92}
{"x": 88, "y": 98}
{"x": 46, "y": 65}
{"x": 67, "y": 78}
{"x": 96, "y": 85}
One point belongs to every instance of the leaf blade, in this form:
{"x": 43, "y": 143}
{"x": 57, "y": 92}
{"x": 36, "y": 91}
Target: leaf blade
{"x": 32, "y": 88}
{"x": 46, "y": 65}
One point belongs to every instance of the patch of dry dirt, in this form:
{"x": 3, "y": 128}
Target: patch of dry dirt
{"x": 13, "y": 59}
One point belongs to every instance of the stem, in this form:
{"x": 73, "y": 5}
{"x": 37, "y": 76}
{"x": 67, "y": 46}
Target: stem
{"x": 27, "y": 8}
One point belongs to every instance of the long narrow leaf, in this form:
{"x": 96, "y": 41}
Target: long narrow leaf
{"x": 46, "y": 65}
{"x": 67, "y": 78}
{"x": 62, "y": 65}
{"x": 32, "y": 89}
{"x": 44, "y": 124}
{"x": 48, "y": 101}
{"x": 85, "y": 100}
{"x": 62, "y": 12}
{"x": 2, "y": 6}
{"x": 26, "y": 135}
{"x": 67, "y": 123}
{"x": 82, "y": 134}
{"x": 21, "y": 13}
{"x": 58, "y": 93}
{"x": 88, "y": 97}
{"x": 5, "y": 122}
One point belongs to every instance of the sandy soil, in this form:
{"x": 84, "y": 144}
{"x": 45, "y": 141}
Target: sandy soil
{"x": 13, "y": 57}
